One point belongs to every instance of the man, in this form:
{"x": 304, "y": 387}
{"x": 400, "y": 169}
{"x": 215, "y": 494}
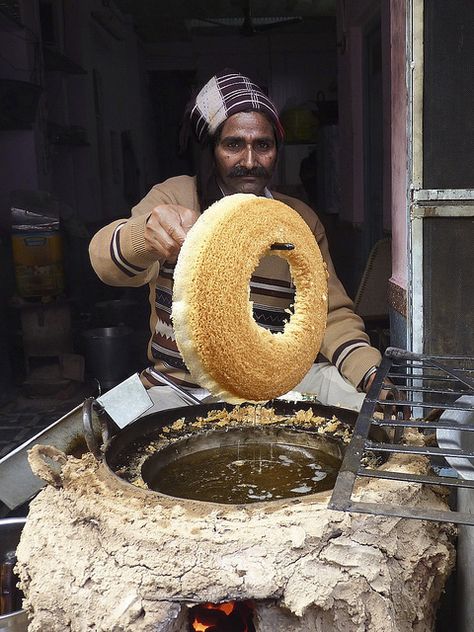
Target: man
{"x": 238, "y": 133}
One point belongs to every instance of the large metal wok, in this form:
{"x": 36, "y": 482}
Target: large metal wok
{"x": 116, "y": 448}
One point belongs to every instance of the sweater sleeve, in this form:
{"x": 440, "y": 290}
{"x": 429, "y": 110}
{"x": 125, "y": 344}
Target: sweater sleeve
{"x": 345, "y": 343}
{"x": 117, "y": 251}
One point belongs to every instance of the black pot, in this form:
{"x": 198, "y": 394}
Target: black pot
{"x": 115, "y": 312}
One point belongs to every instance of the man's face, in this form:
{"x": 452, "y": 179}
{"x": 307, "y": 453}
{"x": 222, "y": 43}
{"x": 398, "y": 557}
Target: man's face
{"x": 246, "y": 153}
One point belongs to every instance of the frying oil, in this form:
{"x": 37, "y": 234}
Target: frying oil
{"x": 247, "y": 473}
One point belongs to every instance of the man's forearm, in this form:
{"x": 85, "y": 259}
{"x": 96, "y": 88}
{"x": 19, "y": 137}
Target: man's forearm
{"x": 118, "y": 254}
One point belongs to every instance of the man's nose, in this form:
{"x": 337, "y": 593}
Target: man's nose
{"x": 249, "y": 157}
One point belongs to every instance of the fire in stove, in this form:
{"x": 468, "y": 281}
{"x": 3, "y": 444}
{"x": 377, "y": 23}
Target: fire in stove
{"x": 230, "y": 616}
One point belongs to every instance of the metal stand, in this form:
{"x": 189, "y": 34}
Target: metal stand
{"x": 426, "y": 387}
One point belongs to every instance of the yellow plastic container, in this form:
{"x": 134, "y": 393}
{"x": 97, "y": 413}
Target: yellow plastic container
{"x": 300, "y": 125}
{"x": 38, "y": 260}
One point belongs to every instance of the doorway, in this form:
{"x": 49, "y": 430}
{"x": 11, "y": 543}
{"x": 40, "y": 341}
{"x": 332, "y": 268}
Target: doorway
{"x": 373, "y": 137}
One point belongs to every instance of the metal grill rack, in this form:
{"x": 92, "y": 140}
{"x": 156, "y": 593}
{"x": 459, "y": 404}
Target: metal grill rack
{"x": 425, "y": 391}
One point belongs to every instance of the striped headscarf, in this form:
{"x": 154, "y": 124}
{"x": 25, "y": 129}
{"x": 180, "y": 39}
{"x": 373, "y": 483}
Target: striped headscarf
{"x": 225, "y": 94}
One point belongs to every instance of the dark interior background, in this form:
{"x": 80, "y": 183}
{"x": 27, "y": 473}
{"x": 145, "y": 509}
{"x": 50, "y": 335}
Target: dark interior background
{"x": 91, "y": 101}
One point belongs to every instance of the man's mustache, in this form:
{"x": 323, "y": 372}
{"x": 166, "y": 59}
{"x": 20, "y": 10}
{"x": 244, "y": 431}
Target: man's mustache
{"x": 254, "y": 172}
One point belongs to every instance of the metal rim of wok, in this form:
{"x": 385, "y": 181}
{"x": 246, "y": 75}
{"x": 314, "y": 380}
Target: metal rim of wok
{"x": 147, "y": 429}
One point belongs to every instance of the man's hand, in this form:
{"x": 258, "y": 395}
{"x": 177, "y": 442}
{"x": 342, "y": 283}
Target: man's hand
{"x": 387, "y": 394}
{"x": 166, "y": 230}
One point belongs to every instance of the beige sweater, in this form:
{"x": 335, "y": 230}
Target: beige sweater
{"x": 119, "y": 257}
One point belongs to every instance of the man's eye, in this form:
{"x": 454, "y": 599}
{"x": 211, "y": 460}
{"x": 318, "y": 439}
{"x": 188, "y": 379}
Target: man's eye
{"x": 264, "y": 145}
{"x": 233, "y": 144}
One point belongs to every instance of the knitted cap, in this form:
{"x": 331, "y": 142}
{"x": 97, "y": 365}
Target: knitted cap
{"x": 225, "y": 94}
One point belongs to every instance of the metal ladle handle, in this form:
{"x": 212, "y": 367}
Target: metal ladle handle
{"x": 188, "y": 397}
{"x": 282, "y": 246}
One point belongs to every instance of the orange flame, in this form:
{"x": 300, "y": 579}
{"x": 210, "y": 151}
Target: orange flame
{"x": 200, "y": 621}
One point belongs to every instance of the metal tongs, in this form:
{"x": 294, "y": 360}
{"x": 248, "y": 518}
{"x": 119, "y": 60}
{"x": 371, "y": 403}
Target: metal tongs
{"x": 188, "y": 397}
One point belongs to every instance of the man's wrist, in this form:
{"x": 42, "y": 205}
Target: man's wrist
{"x": 364, "y": 384}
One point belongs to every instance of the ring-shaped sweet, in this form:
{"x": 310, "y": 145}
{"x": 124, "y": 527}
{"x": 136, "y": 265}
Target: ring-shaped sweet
{"x": 222, "y": 345}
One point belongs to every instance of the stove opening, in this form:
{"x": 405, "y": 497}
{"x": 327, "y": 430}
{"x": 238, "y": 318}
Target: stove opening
{"x": 229, "y": 616}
